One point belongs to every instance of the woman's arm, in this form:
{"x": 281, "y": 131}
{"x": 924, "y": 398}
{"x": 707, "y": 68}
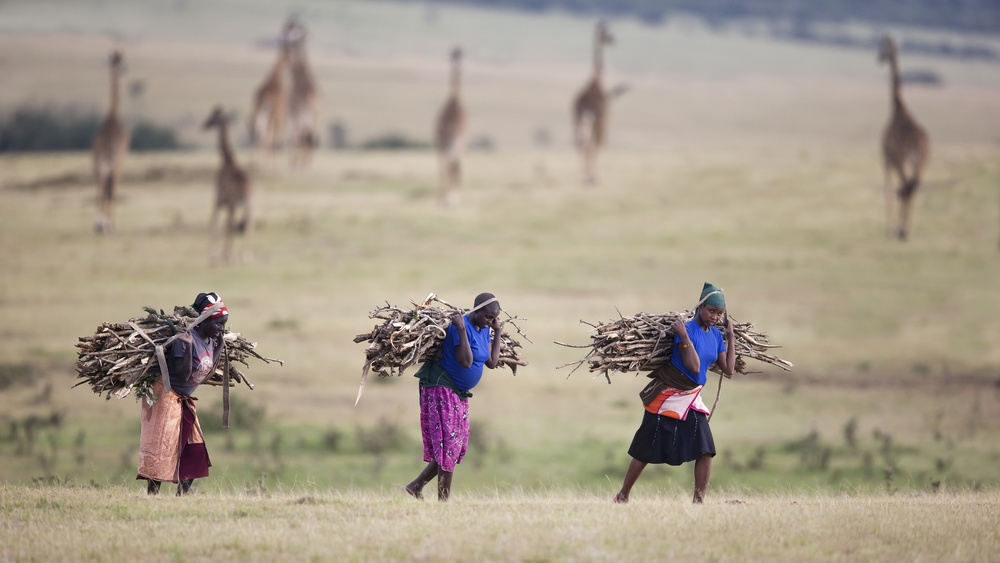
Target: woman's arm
{"x": 727, "y": 359}
{"x": 494, "y": 360}
{"x": 181, "y": 353}
{"x": 688, "y": 354}
{"x": 463, "y": 352}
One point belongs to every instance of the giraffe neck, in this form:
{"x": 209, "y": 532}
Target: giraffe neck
{"x": 275, "y": 76}
{"x": 456, "y": 79}
{"x": 224, "y": 147}
{"x": 897, "y": 98}
{"x": 598, "y": 56}
{"x": 115, "y": 81}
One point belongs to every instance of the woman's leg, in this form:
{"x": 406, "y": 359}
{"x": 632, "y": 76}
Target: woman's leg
{"x": 635, "y": 468}
{"x": 152, "y": 487}
{"x": 444, "y": 485}
{"x": 416, "y": 487}
{"x": 702, "y": 470}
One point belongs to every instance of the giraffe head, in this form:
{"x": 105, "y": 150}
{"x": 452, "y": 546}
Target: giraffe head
{"x": 887, "y": 50}
{"x": 604, "y": 36}
{"x": 294, "y": 32}
{"x": 116, "y": 61}
{"x": 217, "y": 118}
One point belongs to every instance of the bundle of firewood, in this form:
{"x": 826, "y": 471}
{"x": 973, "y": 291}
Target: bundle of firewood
{"x": 121, "y": 358}
{"x": 409, "y": 336}
{"x": 645, "y": 341}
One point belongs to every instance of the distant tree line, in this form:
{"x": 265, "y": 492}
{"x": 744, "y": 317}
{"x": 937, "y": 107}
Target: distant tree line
{"x": 981, "y": 16}
{"x": 36, "y": 129}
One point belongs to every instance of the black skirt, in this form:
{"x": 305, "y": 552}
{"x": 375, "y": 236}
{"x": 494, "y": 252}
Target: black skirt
{"x": 661, "y": 439}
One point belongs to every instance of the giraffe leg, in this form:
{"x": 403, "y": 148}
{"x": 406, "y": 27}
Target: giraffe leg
{"x": 890, "y": 200}
{"x": 213, "y": 235}
{"x": 904, "y": 215}
{"x": 247, "y": 254}
{"x": 227, "y": 251}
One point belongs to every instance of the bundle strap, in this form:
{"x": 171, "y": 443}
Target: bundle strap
{"x": 225, "y": 385}
{"x": 483, "y": 304}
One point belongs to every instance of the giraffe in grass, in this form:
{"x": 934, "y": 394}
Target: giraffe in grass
{"x": 449, "y": 134}
{"x": 304, "y": 100}
{"x": 110, "y": 147}
{"x": 905, "y": 149}
{"x": 590, "y": 107}
{"x": 270, "y": 101}
{"x": 232, "y": 190}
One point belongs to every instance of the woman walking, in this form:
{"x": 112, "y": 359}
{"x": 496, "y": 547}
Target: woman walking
{"x": 444, "y": 391}
{"x": 171, "y": 444}
{"x": 674, "y": 426}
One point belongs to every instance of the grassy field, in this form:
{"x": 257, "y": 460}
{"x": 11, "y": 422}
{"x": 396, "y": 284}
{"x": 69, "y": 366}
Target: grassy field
{"x": 735, "y": 160}
{"x": 102, "y": 524}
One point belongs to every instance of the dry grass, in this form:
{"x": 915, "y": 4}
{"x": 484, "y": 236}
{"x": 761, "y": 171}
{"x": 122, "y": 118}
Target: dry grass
{"x": 116, "y": 524}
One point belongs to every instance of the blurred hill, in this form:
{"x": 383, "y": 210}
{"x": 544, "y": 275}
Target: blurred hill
{"x": 981, "y": 16}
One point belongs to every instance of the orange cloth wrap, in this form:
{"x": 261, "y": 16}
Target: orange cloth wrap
{"x": 160, "y": 438}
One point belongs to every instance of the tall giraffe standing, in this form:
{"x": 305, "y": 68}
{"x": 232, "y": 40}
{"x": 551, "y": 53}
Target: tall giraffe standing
{"x": 449, "y": 134}
{"x": 590, "y": 108}
{"x": 905, "y": 148}
{"x": 232, "y": 190}
{"x": 304, "y": 101}
{"x": 267, "y": 118}
{"x": 110, "y": 146}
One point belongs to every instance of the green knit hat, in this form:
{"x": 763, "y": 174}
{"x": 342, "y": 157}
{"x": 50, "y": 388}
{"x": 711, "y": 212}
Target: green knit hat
{"x": 712, "y": 296}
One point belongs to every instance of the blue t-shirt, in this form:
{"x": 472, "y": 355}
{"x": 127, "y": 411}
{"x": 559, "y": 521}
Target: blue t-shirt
{"x": 708, "y": 345}
{"x": 479, "y": 340}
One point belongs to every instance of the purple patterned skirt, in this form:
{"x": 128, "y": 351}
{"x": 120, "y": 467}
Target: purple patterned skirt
{"x": 444, "y": 425}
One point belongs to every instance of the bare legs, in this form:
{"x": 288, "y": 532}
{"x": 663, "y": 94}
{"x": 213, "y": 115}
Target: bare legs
{"x": 635, "y": 468}
{"x": 702, "y": 471}
{"x": 416, "y": 487}
{"x": 183, "y": 488}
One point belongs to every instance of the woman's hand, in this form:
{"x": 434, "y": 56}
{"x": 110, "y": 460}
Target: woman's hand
{"x": 496, "y": 325}
{"x": 729, "y": 326}
{"x": 458, "y": 319}
{"x": 679, "y": 329}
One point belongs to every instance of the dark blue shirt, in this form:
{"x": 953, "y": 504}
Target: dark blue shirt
{"x": 479, "y": 340}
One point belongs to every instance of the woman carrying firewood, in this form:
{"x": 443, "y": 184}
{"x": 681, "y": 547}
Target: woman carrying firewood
{"x": 171, "y": 444}
{"x": 674, "y": 426}
{"x": 444, "y": 391}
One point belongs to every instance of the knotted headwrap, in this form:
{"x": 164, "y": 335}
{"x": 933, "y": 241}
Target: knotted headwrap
{"x": 712, "y": 296}
{"x": 206, "y": 300}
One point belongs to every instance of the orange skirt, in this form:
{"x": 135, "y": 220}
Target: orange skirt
{"x": 160, "y": 442}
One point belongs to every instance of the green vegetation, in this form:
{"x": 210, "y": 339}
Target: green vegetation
{"x": 30, "y": 129}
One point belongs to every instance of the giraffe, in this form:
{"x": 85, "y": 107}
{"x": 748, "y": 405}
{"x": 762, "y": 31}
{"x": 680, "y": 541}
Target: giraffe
{"x": 303, "y": 103}
{"x": 267, "y": 118}
{"x": 449, "y": 134}
{"x": 110, "y": 146}
{"x": 232, "y": 190}
{"x": 590, "y": 108}
{"x": 905, "y": 148}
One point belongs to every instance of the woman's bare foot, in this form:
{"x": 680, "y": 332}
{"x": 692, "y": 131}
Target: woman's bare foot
{"x": 414, "y": 492}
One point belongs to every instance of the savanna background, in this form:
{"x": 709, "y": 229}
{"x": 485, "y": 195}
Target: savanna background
{"x": 745, "y": 153}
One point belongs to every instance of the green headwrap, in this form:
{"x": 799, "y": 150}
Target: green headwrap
{"x": 712, "y": 296}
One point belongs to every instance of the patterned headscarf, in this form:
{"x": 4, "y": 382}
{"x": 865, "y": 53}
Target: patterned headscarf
{"x": 206, "y": 300}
